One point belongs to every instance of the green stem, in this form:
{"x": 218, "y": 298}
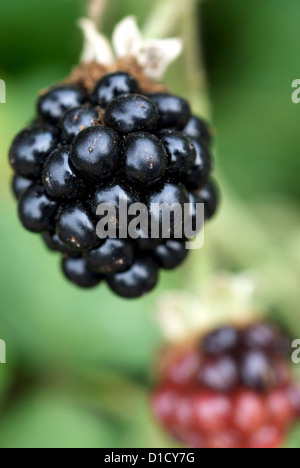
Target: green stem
{"x": 194, "y": 60}
{"x": 165, "y": 18}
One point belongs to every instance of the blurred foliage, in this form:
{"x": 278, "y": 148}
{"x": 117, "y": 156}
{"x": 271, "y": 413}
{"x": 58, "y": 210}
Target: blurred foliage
{"x": 78, "y": 362}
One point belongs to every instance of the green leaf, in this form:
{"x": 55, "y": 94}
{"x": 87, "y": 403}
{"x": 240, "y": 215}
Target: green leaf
{"x": 53, "y": 421}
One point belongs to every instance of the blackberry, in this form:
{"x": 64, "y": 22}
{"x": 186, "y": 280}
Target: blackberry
{"x": 76, "y": 120}
{"x": 131, "y": 113}
{"x": 198, "y": 129}
{"x": 115, "y": 142}
{"x": 223, "y": 340}
{"x": 76, "y": 271}
{"x": 59, "y": 178}
{"x": 36, "y": 209}
{"x": 113, "y": 86}
{"x": 194, "y": 201}
{"x": 169, "y": 195}
{"x": 257, "y": 371}
{"x": 30, "y": 149}
{"x": 139, "y": 280}
{"x": 114, "y": 255}
{"x": 113, "y": 195}
{"x": 146, "y": 243}
{"x": 210, "y": 197}
{"x": 54, "y": 243}
{"x": 53, "y": 105}
{"x": 95, "y": 152}
{"x": 170, "y": 255}
{"x": 145, "y": 158}
{"x": 75, "y": 227}
{"x": 219, "y": 373}
{"x": 197, "y": 176}
{"x": 227, "y": 391}
{"x": 180, "y": 150}
{"x": 20, "y": 185}
{"x": 173, "y": 111}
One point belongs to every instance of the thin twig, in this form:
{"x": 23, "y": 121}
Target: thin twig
{"x": 193, "y": 54}
{"x": 163, "y": 19}
{"x": 96, "y": 9}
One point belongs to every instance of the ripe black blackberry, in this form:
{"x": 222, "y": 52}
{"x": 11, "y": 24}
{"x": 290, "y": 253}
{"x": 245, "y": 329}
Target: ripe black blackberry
{"x": 123, "y": 137}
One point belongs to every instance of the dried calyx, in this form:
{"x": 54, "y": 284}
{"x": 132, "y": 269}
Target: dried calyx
{"x": 147, "y": 60}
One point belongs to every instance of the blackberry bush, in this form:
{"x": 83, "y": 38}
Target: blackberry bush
{"x": 94, "y": 140}
{"x": 231, "y": 389}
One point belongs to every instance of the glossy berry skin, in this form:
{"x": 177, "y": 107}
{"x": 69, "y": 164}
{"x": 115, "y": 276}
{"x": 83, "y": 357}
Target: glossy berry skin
{"x": 30, "y": 149}
{"x": 54, "y": 243}
{"x": 210, "y": 197}
{"x": 53, "y": 104}
{"x": 113, "y": 256}
{"x": 280, "y": 408}
{"x": 145, "y": 158}
{"x": 139, "y": 280}
{"x": 250, "y": 412}
{"x": 112, "y": 194}
{"x": 260, "y": 336}
{"x": 131, "y": 113}
{"x": 20, "y": 185}
{"x": 118, "y": 197}
{"x": 198, "y": 175}
{"x": 171, "y": 254}
{"x": 174, "y": 112}
{"x": 195, "y": 220}
{"x": 169, "y": 195}
{"x": 76, "y": 271}
{"x": 219, "y": 373}
{"x": 212, "y": 411}
{"x": 112, "y": 86}
{"x": 146, "y": 244}
{"x": 220, "y": 341}
{"x": 95, "y": 151}
{"x": 198, "y": 129}
{"x": 257, "y": 371}
{"x": 59, "y": 178}
{"x": 203, "y": 400}
{"x": 180, "y": 149}
{"x": 36, "y": 209}
{"x": 76, "y": 120}
{"x": 75, "y": 227}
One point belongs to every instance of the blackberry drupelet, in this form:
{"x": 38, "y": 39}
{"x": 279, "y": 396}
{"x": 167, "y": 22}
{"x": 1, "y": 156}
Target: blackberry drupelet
{"x": 119, "y": 140}
{"x": 59, "y": 178}
{"x": 231, "y": 389}
{"x": 112, "y": 86}
{"x": 145, "y": 158}
{"x": 20, "y": 185}
{"x": 76, "y": 120}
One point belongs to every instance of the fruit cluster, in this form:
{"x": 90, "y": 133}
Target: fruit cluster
{"x": 85, "y": 149}
{"x": 234, "y": 391}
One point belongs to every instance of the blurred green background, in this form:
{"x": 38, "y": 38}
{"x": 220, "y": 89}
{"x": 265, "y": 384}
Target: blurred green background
{"x": 79, "y": 364}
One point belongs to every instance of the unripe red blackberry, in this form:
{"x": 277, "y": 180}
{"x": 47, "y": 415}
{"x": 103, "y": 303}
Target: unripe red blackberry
{"x": 217, "y": 392}
{"x": 107, "y": 134}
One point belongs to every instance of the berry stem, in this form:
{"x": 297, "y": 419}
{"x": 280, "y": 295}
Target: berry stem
{"x": 164, "y": 18}
{"x": 195, "y": 68}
